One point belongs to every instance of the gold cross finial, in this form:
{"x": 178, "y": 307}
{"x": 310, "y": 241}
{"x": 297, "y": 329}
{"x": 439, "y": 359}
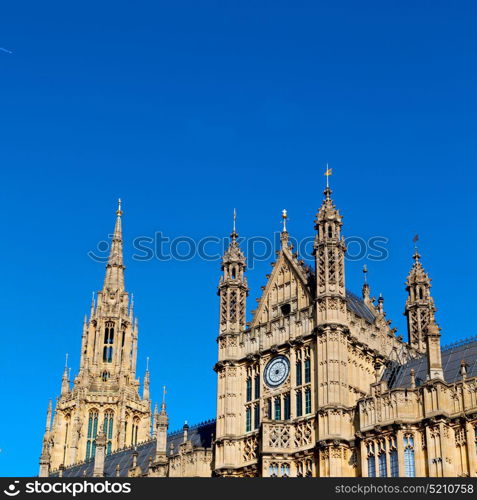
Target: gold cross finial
{"x": 119, "y": 212}
{"x": 284, "y": 219}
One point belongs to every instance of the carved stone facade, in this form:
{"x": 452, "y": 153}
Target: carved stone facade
{"x": 356, "y": 399}
{"x": 317, "y": 384}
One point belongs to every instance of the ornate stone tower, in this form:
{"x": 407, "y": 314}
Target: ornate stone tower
{"x": 233, "y": 291}
{"x": 419, "y": 305}
{"x": 331, "y": 353}
{"x": 105, "y": 393}
{"x": 329, "y": 264}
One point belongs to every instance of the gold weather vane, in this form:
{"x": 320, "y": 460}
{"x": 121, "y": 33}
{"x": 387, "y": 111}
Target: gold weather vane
{"x": 328, "y": 172}
{"x": 365, "y": 272}
{"x": 164, "y": 392}
{"x": 119, "y": 212}
{"x": 235, "y": 220}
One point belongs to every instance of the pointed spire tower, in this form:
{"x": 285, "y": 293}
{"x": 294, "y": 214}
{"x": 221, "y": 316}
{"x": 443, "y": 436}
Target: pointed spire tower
{"x": 420, "y": 307}
{"x": 329, "y": 250}
{"x": 45, "y": 449}
{"x": 233, "y": 289}
{"x": 65, "y": 383}
{"x": 162, "y": 424}
{"x": 114, "y": 279}
{"x": 106, "y": 390}
{"x": 332, "y": 380}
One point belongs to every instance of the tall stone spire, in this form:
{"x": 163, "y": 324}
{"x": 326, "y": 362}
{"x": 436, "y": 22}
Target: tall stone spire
{"x": 114, "y": 279}
{"x": 65, "y": 383}
{"x": 106, "y": 390}
{"x": 233, "y": 288}
{"x": 329, "y": 252}
{"x": 147, "y": 382}
{"x": 233, "y": 291}
{"x": 420, "y": 307}
{"x": 45, "y": 449}
{"x": 332, "y": 380}
{"x": 162, "y": 424}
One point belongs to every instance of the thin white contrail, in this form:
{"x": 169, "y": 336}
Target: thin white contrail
{"x": 6, "y": 50}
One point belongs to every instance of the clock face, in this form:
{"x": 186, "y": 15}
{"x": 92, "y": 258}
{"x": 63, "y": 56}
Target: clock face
{"x": 276, "y": 371}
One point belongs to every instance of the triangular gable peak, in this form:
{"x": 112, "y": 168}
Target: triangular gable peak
{"x": 287, "y": 287}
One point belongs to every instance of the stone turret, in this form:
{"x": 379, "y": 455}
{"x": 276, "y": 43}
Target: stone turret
{"x": 419, "y": 305}
{"x": 433, "y": 345}
{"x": 162, "y": 424}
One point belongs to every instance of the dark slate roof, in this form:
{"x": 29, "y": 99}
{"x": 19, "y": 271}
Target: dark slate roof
{"x": 356, "y": 305}
{"x": 201, "y": 436}
{"x": 400, "y": 375}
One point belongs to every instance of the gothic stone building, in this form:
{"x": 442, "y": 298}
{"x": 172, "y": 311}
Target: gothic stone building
{"x": 317, "y": 384}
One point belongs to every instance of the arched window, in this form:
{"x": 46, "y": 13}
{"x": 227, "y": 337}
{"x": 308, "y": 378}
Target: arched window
{"x": 282, "y": 470}
{"x": 256, "y": 416}
{"x": 307, "y": 371}
{"x": 278, "y": 408}
{"x": 299, "y": 403}
{"x": 393, "y": 462}
{"x": 371, "y": 460}
{"x": 382, "y": 465}
{"x": 135, "y": 428}
{"x": 92, "y": 433}
{"x": 307, "y": 401}
{"x": 285, "y": 470}
{"x": 109, "y": 333}
{"x": 249, "y": 389}
{"x": 330, "y": 231}
{"x": 273, "y": 470}
{"x": 107, "y": 354}
{"x": 257, "y": 386}
{"x": 108, "y": 342}
{"x": 286, "y": 406}
{"x": 105, "y": 376}
{"x": 299, "y": 380}
{"x": 108, "y": 429}
{"x": 248, "y": 419}
{"x": 409, "y": 462}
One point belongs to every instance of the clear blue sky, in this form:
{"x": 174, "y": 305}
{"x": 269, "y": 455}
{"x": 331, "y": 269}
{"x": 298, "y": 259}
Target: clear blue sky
{"x": 189, "y": 109}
